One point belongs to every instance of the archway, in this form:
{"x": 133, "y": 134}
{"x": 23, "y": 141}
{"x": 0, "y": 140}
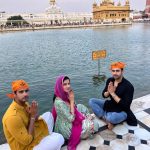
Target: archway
{"x": 123, "y": 20}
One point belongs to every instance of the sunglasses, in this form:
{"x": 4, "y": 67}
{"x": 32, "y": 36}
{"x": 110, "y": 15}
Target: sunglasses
{"x": 115, "y": 70}
{"x": 23, "y": 91}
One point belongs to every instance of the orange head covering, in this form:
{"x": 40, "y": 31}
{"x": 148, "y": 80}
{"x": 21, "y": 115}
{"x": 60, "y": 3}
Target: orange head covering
{"x": 120, "y": 65}
{"x": 17, "y": 85}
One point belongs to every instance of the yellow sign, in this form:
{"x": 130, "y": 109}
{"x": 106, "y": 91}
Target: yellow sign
{"x": 98, "y": 54}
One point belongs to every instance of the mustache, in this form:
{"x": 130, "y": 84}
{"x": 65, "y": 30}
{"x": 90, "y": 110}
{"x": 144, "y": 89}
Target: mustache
{"x": 26, "y": 97}
{"x": 115, "y": 75}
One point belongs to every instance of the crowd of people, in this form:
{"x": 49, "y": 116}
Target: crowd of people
{"x": 19, "y": 25}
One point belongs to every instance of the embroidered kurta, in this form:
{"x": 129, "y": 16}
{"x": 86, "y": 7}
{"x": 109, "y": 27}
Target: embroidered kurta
{"x": 63, "y": 124}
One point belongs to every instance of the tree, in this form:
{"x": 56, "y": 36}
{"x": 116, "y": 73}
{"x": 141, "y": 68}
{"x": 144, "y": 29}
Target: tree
{"x": 16, "y": 21}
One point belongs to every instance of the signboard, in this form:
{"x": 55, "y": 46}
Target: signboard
{"x": 98, "y": 54}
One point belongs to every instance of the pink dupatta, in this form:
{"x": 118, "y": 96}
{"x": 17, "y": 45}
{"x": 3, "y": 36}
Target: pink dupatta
{"x": 77, "y": 123}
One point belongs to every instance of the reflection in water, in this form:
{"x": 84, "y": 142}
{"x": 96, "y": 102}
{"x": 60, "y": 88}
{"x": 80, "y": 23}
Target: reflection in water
{"x": 98, "y": 79}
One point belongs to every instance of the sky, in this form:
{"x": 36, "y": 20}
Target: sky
{"x": 39, "y": 6}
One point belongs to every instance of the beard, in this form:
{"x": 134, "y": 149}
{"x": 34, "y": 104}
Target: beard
{"x": 117, "y": 77}
{"x": 25, "y": 99}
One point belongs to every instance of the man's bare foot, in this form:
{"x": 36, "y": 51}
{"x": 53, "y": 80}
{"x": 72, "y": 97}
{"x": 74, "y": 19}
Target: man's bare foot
{"x": 110, "y": 126}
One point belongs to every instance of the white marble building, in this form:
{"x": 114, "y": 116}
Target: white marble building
{"x": 52, "y": 15}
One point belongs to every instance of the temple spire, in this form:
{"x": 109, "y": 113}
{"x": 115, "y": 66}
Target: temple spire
{"x": 127, "y": 2}
{"x": 119, "y": 3}
{"x": 52, "y": 2}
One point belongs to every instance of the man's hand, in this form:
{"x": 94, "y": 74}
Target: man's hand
{"x": 111, "y": 88}
{"x": 33, "y": 109}
{"x": 106, "y": 94}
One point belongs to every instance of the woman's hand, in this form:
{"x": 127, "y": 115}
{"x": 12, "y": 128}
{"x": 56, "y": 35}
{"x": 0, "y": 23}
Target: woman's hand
{"x": 71, "y": 98}
{"x": 71, "y": 95}
{"x": 72, "y": 108}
